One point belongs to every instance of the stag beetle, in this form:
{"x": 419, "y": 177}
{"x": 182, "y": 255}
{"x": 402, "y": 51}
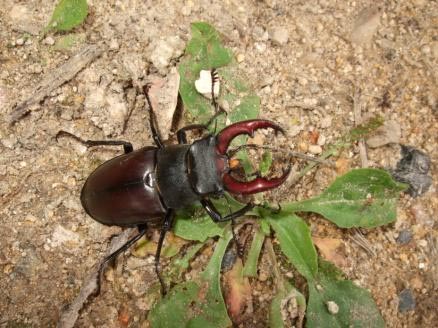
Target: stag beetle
{"x": 146, "y": 186}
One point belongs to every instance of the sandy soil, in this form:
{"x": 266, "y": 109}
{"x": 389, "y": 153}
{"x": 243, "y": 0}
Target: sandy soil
{"x": 315, "y": 65}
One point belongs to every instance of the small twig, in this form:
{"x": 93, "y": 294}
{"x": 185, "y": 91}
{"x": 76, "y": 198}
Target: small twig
{"x": 9, "y": 196}
{"x": 55, "y": 78}
{"x": 303, "y": 105}
{"x": 357, "y": 108}
{"x": 70, "y": 314}
{"x": 359, "y": 239}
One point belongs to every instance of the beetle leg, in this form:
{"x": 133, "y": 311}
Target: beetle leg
{"x": 239, "y": 246}
{"x": 152, "y": 119}
{"x": 181, "y": 133}
{"x": 127, "y": 146}
{"x": 167, "y": 225}
{"x": 113, "y": 255}
{"x": 217, "y": 217}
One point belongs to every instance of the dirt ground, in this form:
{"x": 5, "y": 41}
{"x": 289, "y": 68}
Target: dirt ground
{"x": 318, "y": 67}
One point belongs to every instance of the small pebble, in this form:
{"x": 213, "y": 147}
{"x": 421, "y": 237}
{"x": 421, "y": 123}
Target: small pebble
{"x": 186, "y": 10}
{"x": 314, "y": 88}
{"x": 425, "y": 49}
{"x": 422, "y": 243}
{"x": 36, "y": 69}
{"x": 406, "y": 301}
{"x": 240, "y": 58}
{"x": 389, "y": 132}
{"x": 49, "y": 41}
{"x": 114, "y": 45}
{"x": 279, "y": 35}
{"x": 325, "y": 122}
{"x": 260, "y": 46}
{"x": 263, "y": 276}
{"x": 321, "y": 140}
{"x": 260, "y": 34}
{"x": 19, "y": 42}
{"x": 9, "y": 142}
{"x": 315, "y": 149}
{"x": 404, "y": 237}
{"x": 416, "y": 283}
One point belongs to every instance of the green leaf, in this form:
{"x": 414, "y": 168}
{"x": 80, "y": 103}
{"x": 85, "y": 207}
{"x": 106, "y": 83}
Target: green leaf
{"x": 183, "y": 263}
{"x": 360, "y": 198}
{"x": 196, "y": 304}
{"x": 68, "y": 14}
{"x": 364, "y": 130}
{"x": 195, "y": 224}
{"x": 266, "y": 163}
{"x": 265, "y": 227}
{"x": 288, "y": 294}
{"x": 356, "y": 306}
{"x": 173, "y": 309}
{"x": 198, "y": 228}
{"x": 248, "y": 109}
{"x": 205, "y": 52}
{"x": 296, "y": 243}
{"x": 205, "y": 47}
{"x": 250, "y": 268}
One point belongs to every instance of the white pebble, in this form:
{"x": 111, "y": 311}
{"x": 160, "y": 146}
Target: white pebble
{"x": 315, "y": 149}
{"x": 279, "y": 35}
{"x": 260, "y": 46}
{"x": 325, "y": 122}
{"x": 114, "y": 45}
{"x": 49, "y": 41}
{"x": 19, "y": 42}
{"x": 321, "y": 140}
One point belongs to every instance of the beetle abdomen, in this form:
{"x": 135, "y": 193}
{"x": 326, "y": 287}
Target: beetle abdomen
{"x": 122, "y": 191}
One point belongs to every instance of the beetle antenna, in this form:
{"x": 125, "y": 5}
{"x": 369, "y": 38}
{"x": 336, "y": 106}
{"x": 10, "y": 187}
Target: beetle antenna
{"x": 218, "y": 110}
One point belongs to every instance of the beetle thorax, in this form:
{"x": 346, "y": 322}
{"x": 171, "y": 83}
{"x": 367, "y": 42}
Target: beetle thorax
{"x": 205, "y": 167}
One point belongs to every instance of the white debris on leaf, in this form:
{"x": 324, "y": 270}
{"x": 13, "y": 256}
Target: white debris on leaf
{"x": 203, "y": 84}
{"x": 332, "y": 307}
